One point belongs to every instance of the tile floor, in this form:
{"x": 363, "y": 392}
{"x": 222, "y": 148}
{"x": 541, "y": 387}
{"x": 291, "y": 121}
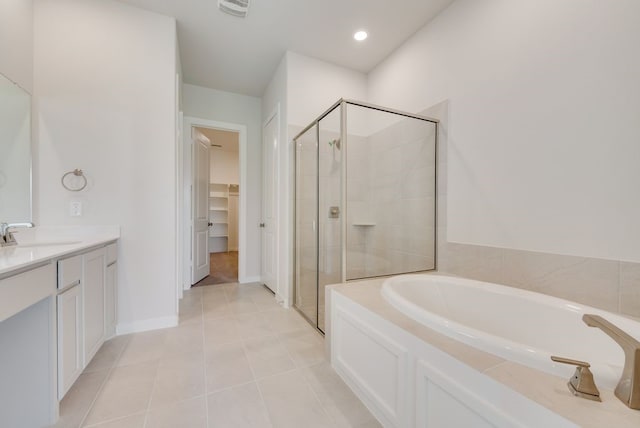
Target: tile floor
{"x": 237, "y": 359}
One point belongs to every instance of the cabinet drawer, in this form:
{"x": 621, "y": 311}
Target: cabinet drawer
{"x": 23, "y": 290}
{"x": 112, "y": 253}
{"x": 69, "y": 271}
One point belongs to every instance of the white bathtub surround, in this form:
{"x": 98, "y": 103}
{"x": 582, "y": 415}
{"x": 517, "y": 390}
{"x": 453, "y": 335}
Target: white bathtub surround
{"x": 517, "y": 325}
{"x": 605, "y": 284}
{"x": 527, "y": 396}
{"x": 629, "y": 291}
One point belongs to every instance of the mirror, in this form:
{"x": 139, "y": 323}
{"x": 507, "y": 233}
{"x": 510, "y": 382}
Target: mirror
{"x": 15, "y": 153}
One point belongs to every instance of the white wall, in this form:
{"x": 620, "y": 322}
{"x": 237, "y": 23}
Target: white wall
{"x": 228, "y": 107}
{"x": 543, "y": 139}
{"x": 224, "y": 166}
{"x": 314, "y": 85}
{"x": 304, "y": 88}
{"x": 105, "y": 103}
{"x": 16, "y": 41}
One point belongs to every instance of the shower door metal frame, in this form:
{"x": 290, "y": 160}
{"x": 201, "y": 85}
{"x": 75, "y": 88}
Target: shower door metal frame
{"x": 342, "y": 104}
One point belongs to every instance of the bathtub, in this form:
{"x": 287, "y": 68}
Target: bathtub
{"x": 518, "y": 325}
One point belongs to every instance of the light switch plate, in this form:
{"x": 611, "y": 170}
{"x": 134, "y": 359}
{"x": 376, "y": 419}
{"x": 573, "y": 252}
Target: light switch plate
{"x": 75, "y": 208}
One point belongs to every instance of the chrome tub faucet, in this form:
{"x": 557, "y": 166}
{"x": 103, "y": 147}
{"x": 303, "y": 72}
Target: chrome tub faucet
{"x": 628, "y": 389}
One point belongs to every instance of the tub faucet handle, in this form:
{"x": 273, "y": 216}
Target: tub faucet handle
{"x": 581, "y": 383}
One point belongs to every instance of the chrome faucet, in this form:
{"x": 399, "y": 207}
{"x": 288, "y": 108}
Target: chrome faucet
{"x": 628, "y": 389}
{"x": 6, "y": 237}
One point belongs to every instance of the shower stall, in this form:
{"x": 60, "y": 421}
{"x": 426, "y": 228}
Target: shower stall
{"x": 365, "y": 199}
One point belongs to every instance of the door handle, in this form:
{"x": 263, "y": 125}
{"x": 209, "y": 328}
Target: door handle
{"x": 209, "y": 224}
{"x": 262, "y": 225}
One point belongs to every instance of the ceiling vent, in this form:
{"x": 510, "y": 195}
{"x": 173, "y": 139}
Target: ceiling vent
{"x": 237, "y": 8}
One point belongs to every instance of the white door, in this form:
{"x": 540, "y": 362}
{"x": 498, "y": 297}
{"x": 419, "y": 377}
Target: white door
{"x": 269, "y": 219}
{"x": 200, "y": 251}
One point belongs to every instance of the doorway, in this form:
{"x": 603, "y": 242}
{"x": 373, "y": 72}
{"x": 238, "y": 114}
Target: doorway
{"x": 222, "y": 193}
{"x": 214, "y": 179}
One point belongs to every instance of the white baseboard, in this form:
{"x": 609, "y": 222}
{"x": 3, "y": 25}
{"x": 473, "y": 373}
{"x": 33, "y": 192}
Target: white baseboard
{"x": 282, "y": 301}
{"x": 248, "y": 279}
{"x": 146, "y": 325}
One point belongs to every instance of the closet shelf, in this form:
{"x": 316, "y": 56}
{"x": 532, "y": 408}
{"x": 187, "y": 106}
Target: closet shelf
{"x": 223, "y": 206}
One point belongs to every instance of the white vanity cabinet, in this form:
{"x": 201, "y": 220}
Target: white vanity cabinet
{"x": 94, "y": 266}
{"x": 86, "y": 310}
{"x": 111, "y": 292}
{"x": 69, "y": 317}
{"x": 57, "y": 306}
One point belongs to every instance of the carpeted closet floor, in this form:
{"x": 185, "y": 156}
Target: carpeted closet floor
{"x": 224, "y": 269}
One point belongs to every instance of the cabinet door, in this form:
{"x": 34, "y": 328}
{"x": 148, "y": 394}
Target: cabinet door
{"x": 70, "y": 362}
{"x": 93, "y": 292}
{"x": 110, "y": 300}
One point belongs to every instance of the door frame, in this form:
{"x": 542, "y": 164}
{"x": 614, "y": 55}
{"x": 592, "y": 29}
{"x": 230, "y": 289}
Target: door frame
{"x": 275, "y": 116}
{"x": 189, "y": 170}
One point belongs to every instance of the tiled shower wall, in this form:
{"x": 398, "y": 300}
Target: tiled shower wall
{"x": 390, "y": 199}
{"x": 606, "y": 284}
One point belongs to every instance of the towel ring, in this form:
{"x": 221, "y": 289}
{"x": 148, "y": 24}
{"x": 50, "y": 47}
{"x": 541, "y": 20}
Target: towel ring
{"x": 77, "y": 173}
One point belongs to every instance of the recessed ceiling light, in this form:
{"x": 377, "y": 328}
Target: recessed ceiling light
{"x": 360, "y": 35}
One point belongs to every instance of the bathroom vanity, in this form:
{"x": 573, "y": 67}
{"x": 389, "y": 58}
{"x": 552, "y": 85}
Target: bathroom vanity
{"x": 58, "y": 288}
{"x": 58, "y": 295}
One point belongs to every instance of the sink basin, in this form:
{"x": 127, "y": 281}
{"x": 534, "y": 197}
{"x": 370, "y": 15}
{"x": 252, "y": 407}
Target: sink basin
{"x": 46, "y": 244}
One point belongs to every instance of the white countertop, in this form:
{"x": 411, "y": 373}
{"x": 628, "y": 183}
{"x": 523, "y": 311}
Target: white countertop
{"x": 42, "y": 244}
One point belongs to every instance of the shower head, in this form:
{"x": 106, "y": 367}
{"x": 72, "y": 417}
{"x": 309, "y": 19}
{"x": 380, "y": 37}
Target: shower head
{"x": 335, "y": 143}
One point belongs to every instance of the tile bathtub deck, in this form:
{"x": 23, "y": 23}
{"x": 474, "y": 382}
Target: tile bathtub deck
{"x": 236, "y": 359}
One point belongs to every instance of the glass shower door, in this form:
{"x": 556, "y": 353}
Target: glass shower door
{"x": 330, "y": 210}
{"x": 306, "y": 255}
{"x": 391, "y": 193}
